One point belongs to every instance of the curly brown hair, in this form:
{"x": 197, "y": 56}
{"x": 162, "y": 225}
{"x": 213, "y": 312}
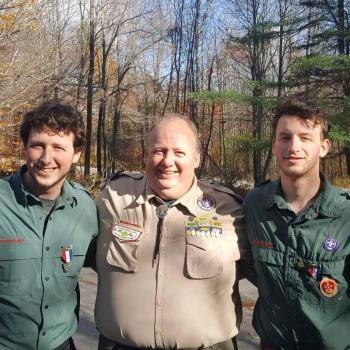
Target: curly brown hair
{"x": 56, "y": 116}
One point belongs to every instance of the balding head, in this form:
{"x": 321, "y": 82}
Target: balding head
{"x": 172, "y": 156}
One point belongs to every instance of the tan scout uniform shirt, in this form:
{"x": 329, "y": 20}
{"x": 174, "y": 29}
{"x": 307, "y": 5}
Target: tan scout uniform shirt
{"x": 189, "y": 298}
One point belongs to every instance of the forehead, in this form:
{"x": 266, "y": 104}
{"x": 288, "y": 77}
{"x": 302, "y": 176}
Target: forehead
{"x": 174, "y": 130}
{"x": 296, "y": 124}
{"x": 51, "y": 135}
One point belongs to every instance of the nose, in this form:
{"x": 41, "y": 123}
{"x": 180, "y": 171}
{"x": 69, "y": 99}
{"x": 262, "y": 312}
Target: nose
{"x": 294, "y": 145}
{"x": 168, "y": 159}
{"x": 46, "y": 156}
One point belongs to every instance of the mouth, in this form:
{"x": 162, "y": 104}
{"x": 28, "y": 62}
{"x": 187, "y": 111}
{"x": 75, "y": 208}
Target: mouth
{"x": 293, "y": 159}
{"x": 166, "y": 173}
{"x": 44, "y": 170}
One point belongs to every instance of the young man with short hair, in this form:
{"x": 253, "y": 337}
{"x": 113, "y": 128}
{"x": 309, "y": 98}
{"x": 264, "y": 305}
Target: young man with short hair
{"x": 46, "y": 226}
{"x": 299, "y": 230}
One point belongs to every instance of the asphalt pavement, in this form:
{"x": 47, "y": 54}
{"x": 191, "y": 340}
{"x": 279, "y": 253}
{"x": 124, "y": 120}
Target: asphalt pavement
{"x": 86, "y": 337}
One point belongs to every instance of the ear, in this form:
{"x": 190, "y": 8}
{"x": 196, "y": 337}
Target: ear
{"x": 273, "y": 147}
{"x": 325, "y": 147}
{"x": 145, "y": 158}
{"x": 77, "y": 154}
{"x": 197, "y": 160}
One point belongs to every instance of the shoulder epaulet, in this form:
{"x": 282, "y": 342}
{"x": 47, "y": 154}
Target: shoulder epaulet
{"x": 227, "y": 190}
{"x": 133, "y": 174}
{"x": 79, "y": 187}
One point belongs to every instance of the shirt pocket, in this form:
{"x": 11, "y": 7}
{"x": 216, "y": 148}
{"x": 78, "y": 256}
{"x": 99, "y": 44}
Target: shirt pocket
{"x": 18, "y": 269}
{"x": 335, "y": 271}
{"x": 269, "y": 268}
{"x": 204, "y": 257}
{"x": 68, "y": 273}
{"x": 124, "y": 254}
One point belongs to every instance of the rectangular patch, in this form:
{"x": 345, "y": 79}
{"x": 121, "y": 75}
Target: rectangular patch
{"x": 11, "y": 240}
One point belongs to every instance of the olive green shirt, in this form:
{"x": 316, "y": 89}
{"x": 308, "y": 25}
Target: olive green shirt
{"x": 38, "y": 287}
{"x": 303, "y": 267}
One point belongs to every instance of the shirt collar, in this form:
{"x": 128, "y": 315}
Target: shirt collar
{"x": 24, "y": 197}
{"x": 188, "y": 200}
{"x": 325, "y": 203}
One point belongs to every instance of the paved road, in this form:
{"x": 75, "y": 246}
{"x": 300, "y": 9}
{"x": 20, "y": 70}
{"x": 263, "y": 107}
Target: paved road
{"x": 86, "y": 337}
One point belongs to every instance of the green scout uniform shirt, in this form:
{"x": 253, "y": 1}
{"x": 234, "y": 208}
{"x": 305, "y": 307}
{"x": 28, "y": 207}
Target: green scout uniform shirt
{"x": 293, "y": 254}
{"x": 38, "y": 291}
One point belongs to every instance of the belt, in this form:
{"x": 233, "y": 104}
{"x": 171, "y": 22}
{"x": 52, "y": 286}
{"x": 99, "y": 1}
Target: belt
{"x": 107, "y": 344}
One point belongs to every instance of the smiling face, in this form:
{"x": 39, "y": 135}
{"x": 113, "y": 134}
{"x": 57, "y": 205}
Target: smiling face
{"x": 49, "y": 157}
{"x": 298, "y": 146}
{"x": 171, "y": 158}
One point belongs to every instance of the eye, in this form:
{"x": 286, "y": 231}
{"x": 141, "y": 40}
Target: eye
{"x": 158, "y": 152}
{"x": 35, "y": 146}
{"x": 179, "y": 153}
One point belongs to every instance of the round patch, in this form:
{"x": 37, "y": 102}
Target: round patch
{"x": 206, "y": 202}
{"x": 328, "y": 287}
{"x": 330, "y": 244}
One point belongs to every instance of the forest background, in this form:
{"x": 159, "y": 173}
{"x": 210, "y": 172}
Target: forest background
{"x": 225, "y": 63}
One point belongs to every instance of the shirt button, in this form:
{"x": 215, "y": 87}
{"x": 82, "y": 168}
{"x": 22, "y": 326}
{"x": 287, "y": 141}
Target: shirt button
{"x": 46, "y": 306}
{"x": 47, "y": 248}
{"x": 47, "y": 278}
{"x": 50, "y": 218}
{"x": 43, "y": 333}
{"x": 158, "y": 331}
{"x": 158, "y": 303}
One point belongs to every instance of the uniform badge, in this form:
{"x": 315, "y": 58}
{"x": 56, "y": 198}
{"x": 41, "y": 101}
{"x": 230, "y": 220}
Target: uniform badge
{"x": 330, "y": 244}
{"x": 328, "y": 287}
{"x": 66, "y": 257}
{"x": 191, "y": 225}
{"x": 162, "y": 211}
{"x": 126, "y": 231}
{"x": 206, "y": 202}
{"x": 203, "y": 226}
{"x": 314, "y": 272}
{"x": 216, "y": 227}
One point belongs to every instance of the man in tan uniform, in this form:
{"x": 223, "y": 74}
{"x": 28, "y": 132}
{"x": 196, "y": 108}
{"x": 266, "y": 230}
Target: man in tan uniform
{"x": 167, "y": 251}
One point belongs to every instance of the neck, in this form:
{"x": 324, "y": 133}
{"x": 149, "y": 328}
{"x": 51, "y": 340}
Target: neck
{"x": 300, "y": 192}
{"x": 51, "y": 193}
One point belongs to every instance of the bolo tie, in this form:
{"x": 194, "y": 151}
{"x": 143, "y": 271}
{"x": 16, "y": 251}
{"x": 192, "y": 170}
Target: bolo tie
{"x": 161, "y": 212}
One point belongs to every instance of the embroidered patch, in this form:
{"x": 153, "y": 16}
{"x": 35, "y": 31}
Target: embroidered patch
{"x": 206, "y": 202}
{"x": 11, "y": 240}
{"x": 330, "y": 244}
{"x": 126, "y": 231}
{"x": 328, "y": 287}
